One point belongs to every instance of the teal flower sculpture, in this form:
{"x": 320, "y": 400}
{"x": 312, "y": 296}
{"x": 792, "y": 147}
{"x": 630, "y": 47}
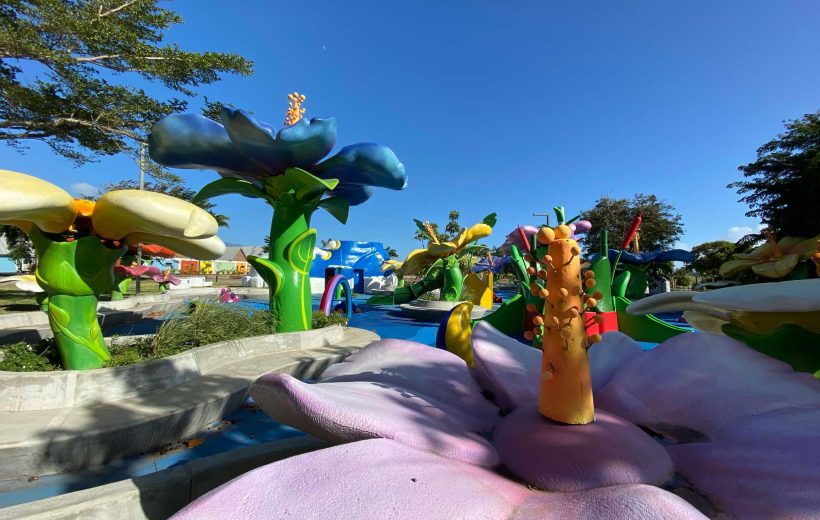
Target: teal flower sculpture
{"x": 283, "y": 168}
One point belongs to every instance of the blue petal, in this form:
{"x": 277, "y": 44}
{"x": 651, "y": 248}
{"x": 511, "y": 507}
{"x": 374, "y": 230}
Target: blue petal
{"x": 300, "y": 145}
{"x": 355, "y": 194}
{"x": 364, "y": 163}
{"x": 194, "y": 141}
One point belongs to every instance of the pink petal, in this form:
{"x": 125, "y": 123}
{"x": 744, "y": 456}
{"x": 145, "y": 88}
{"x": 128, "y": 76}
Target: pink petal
{"x": 763, "y": 466}
{"x": 352, "y": 411}
{"x": 433, "y": 372}
{"x": 703, "y": 382}
{"x": 509, "y": 369}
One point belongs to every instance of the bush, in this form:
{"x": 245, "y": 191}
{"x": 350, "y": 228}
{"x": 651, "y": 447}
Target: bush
{"x": 201, "y": 323}
{"x": 321, "y": 321}
{"x": 23, "y": 357}
{"x": 195, "y": 324}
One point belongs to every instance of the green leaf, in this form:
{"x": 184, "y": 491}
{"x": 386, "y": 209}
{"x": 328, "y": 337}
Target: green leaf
{"x": 300, "y": 252}
{"x": 422, "y": 229}
{"x": 269, "y": 271}
{"x": 227, "y": 186}
{"x": 559, "y": 214}
{"x": 490, "y": 220}
{"x": 336, "y": 206}
{"x": 306, "y": 185}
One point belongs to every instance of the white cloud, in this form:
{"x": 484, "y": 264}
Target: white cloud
{"x": 735, "y": 233}
{"x": 83, "y": 189}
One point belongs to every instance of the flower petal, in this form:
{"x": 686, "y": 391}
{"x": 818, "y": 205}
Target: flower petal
{"x": 776, "y": 268}
{"x": 120, "y": 212}
{"x": 31, "y": 199}
{"x": 353, "y": 411}
{"x": 722, "y": 380}
{"x": 355, "y": 194}
{"x": 509, "y": 369}
{"x": 194, "y": 141}
{"x": 365, "y": 163}
{"x": 434, "y": 372}
{"x": 732, "y": 268}
{"x": 300, "y": 145}
{"x": 200, "y": 248}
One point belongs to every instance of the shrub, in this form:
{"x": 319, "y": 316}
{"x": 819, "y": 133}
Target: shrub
{"x": 321, "y": 321}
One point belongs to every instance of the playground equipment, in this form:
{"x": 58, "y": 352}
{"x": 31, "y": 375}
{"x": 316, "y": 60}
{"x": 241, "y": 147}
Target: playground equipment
{"x": 123, "y": 275}
{"x": 440, "y": 264}
{"x": 283, "y": 169}
{"x": 360, "y": 262}
{"x": 78, "y": 241}
{"x": 227, "y": 295}
{"x": 326, "y": 303}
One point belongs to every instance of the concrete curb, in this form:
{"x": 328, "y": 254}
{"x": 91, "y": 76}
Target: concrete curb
{"x": 161, "y": 494}
{"x": 61, "y": 421}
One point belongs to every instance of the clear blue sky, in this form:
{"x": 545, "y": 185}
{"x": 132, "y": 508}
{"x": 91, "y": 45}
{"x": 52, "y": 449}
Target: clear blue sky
{"x": 511, "y": 107}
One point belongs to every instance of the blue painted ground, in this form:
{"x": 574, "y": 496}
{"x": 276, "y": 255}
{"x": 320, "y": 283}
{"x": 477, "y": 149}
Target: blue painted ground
{"x": 245, "y": 427}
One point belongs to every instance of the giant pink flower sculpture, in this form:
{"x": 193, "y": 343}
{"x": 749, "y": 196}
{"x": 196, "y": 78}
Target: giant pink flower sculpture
{"x": 736, "y": 434}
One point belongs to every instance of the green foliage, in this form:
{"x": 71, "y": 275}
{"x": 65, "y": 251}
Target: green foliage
{"x": 661, "y": 225}
{"x": 453, "y": 226}
{"x": 319, "y": 320}
{"x": 391, "y": 252}
{"x": 782, "y": 186}
{"x": 710, "y": 255}
{"x": 23, "y": 357}
{"x": 21, "y": 250}
{"x": 200, "y": 323}
{"x": 451, "y": 230}
{"x": 67, "y": 71}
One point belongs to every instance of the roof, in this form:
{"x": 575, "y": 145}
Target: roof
{"x": 247, "y": 251}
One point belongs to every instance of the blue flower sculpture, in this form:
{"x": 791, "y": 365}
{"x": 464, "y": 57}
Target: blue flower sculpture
{"x": 282, "y": 167}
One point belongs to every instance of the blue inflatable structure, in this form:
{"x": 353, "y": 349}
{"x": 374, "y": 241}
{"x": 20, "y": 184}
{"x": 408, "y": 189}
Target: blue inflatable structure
{"x": 354, "y": 260}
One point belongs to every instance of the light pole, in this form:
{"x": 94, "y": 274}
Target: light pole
{"x": 141, "y": 187}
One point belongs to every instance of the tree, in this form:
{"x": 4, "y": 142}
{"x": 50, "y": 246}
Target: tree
{"x": 453, "y": 227}
{"x": 59, "y": 60}
{"x": 782, "y": 186}
{"x": 59, "y": 63}
{"x": 709, "y": 256}
{"x": 391, "y": 253}
{"x": 451, "y": 230}
{"x": 661, "y": 225}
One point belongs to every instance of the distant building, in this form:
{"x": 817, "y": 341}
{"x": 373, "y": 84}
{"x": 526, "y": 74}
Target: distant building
{"x": 233, "y": 261}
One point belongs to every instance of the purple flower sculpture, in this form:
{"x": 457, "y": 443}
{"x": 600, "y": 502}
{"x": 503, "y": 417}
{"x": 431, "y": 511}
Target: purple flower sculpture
{"x": 710, "y": 428}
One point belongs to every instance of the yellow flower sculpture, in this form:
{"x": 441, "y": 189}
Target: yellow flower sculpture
{"x": 774, "y": 259}
{"x": 78, "y": 241}
{"x": 448, "y": 253}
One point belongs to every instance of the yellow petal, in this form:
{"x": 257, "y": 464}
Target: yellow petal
{"x": 477, "y": 232}
{"x": 805, "y": 248}
{"x": 704, "y": 322}
{"x": 442, "y": 250}
{"x": 732, "y": 268}
{"x": 198, "y": 248}
{"x": 30, "y": 199}
{"x": 776, "y": 268}
{"x": 416, "y": 261}
{"x": 121, "y": 212}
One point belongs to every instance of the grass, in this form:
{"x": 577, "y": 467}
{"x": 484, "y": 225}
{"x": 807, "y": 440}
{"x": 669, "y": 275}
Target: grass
{"x": 194, "y": 325}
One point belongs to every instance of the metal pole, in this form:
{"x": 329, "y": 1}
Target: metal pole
{"x": 141, "y": 187}
{"x": 547, "y": 215}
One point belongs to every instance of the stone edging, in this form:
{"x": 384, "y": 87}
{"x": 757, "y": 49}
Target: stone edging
{"x": 25, "y": 391}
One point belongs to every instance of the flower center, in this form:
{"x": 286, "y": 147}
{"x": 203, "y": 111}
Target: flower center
{"x": 776, "y": 252}
{"x": 295, "y": 111}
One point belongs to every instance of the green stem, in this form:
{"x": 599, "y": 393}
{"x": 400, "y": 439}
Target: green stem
{"x": 453, "y": 280}
{"x": 291, "y": 249}
{"x": 73, "y": 320}
{"x": 73, "y": 274}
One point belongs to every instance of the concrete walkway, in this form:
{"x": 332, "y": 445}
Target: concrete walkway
{"x": 60, "y": 421}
